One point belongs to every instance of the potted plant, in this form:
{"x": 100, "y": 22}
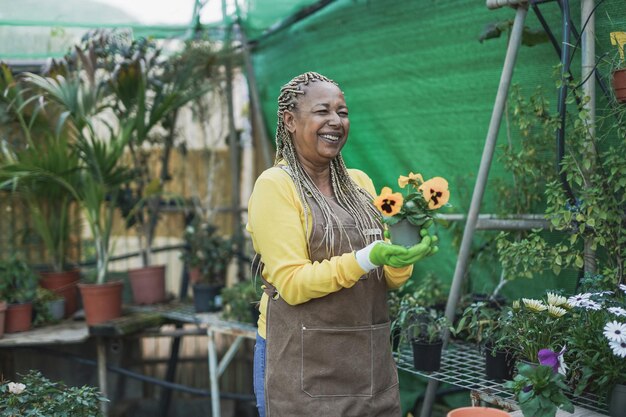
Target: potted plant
{"x": 148, "y": 90}
{"x": 241, "y": 302}
{"x": 48, "y": 307}
{"x": 540, "y": 391}
{"x": 618, "y": 74}
{"x": 30, "y": 168}
{"x": 597, "y": 341}
{"x": 535, "y": 324}
{"x": 37, "y": 395}
{"x": 18, "y": 283}
{"x": 424, "y": 329}
{"x": 211, "y": 254}
{"x": 79, "y": 97}
{"x": 405, "y": 216}
{"x": 486, "y": 325}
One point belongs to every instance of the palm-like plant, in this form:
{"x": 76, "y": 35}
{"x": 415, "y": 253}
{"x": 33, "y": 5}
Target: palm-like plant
{"x": 31, "y": 169}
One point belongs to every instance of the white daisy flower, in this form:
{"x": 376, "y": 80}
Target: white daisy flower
{"x": 619, "y": 348}
{"x": 534, "y": 305}
{"x": 618, "y": 311}
{"x": 556, "y": 300}
{"x": 591, "y": 305}
{"x": 555, "y": 311}
{"x": 615, "y": 331}
{"x": 622, "y": 287}
{"x": 578, "y": 299}
{"x": 16, "y": 387}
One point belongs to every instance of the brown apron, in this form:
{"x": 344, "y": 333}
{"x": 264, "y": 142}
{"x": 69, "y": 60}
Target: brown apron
{"x": 331, "y": 356}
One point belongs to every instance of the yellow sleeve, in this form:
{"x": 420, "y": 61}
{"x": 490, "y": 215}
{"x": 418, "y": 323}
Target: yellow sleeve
{"x": 276, "y": 225}
{"x": 395, "y": 277}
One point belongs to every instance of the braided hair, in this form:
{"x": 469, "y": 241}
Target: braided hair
{"x": 350, "y": 196}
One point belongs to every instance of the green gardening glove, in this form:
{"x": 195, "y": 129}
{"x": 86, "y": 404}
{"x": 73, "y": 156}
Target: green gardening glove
{"x": 399, "y": 256}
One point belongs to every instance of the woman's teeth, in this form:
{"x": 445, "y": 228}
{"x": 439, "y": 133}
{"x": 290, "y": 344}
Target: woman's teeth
{"x": 330, "y": 137}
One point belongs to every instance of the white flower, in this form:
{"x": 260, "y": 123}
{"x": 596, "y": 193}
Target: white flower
{"x": 618, "y": 311}
{"x": 619, "y": 348}
{"x": 578, "y": 299}
{"x": 562, "y": 365}
{"x": 615, "y": 331}
{"x": 534, "y": 305}
{"x": 622, "y": 287}
{"x": 556, "y": 312}
{"x": 16, "y": 387}
{"x": 590, "y": 305}
{"x": 556, "y": 300}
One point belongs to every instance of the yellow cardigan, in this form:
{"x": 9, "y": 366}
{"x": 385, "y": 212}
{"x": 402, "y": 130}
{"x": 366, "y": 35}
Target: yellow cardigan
{"x": 276, "y": 225}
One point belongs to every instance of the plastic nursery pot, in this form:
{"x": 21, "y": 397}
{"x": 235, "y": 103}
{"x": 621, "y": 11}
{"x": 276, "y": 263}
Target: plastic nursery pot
{"x": 499, "y": 365}
{"x": 427, "y": 356}
{"x": 477, "y": 412}
{"x": 404, "y": 233}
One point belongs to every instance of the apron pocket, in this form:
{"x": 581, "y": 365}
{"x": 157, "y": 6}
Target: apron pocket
{"x": 385, "y": 371}
{"x": 337, "y": 361}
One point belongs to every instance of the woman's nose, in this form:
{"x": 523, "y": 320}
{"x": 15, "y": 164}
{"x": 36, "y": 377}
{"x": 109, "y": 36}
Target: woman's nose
{"x": 334, "y": 119}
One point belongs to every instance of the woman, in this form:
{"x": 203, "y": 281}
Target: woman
{"x": 323, "y": 344}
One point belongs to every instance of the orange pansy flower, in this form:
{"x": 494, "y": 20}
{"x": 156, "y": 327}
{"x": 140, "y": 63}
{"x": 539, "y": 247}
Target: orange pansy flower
{"x": 403, "y": 181}
{"x": 435, "y": 191}
{"x": 388, "y": 202}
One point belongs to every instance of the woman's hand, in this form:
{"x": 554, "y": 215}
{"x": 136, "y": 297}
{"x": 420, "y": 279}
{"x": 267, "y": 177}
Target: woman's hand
{"x": 382, "y": 253}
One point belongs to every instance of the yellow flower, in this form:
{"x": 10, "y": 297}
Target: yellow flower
{"x": 388, "y": 202}
{"x": 555, "y": 311}
{"x": 556, "y": 300}
{"x": 435, "y": 191}
{"x": 403, "y": 181}
{"x": 534, "y": 305}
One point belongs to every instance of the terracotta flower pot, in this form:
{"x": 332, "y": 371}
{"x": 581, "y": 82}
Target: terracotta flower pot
{"x": 148, "y": 284}
{"x": 64, "y": 284}
{"x": 477, "y": 412}
{"x": 102, "y": 302}
{"x": 3, "y": 309}
{"x": 619, "y": 84}
{"x": 194, "y": 275}
{"x": 18, "y": 317}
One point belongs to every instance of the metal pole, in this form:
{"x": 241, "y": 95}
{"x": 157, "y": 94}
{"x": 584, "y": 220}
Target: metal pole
{"x": 102, "y": 373}
{"x": 260, "y": 130}
{"x": 481, "y": 181}
{"x": 233, "y": 143}
{"x": 213, "y": 377}
{"x": 588, "y": 56}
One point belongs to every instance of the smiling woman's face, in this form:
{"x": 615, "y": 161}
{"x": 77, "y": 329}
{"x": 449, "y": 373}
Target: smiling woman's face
{"x": 319, "y": 125}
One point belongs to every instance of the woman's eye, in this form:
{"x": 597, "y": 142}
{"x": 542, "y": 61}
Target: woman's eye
{"x": 343, "y": 114}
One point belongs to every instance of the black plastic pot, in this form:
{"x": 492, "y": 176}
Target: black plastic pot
{"x": 427, "y": 356}
{"x": 499, "y": 365}
{"x": 207, "y": 297}
{"x": 395, "y": 338}
{"x": 617, "y": 401}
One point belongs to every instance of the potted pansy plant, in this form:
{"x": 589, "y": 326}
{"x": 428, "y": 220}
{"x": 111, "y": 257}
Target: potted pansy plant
{"x": 406, "y": 214}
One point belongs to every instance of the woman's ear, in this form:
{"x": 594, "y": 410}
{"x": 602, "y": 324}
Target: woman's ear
{"x": 289, "y": 120}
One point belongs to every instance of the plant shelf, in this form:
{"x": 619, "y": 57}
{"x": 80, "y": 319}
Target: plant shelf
{"x": 463, "y": 365}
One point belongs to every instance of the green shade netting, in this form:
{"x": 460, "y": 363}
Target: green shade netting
{"x": 421, "y": 90}
{"x": 259, "y": 15}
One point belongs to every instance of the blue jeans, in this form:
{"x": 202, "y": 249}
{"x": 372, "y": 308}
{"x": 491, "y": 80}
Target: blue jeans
{"x": 259, "y": 374}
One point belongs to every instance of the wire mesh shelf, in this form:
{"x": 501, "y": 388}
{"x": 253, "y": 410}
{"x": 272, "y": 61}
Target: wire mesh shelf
{"x": 463, "y": 365}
